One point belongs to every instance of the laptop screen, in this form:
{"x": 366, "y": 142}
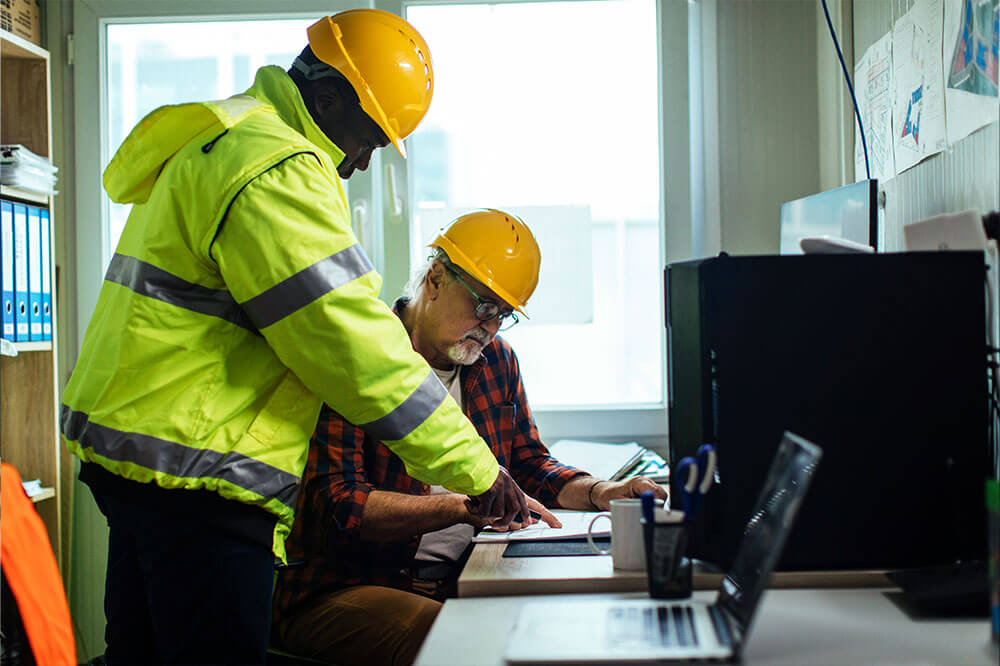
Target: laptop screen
{"x": 764, "y": 537}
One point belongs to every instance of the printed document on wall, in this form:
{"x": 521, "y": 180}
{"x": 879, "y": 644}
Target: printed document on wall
{"x": 970, "y": 65}
{"x": 918, "y": 101}
{"x": 873, "y": 88}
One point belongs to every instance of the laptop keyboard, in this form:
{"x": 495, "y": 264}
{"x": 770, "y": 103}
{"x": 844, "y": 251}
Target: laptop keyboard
{"x": 666, "y": 626}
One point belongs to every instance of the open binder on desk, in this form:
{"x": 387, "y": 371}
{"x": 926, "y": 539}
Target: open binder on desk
{"x": 574, "y": 526}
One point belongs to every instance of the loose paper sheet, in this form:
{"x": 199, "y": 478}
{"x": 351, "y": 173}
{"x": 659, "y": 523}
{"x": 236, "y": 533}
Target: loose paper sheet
{"x": 970, "y": 62}
{"x": 873, "y": 87}
{"x": 574, "y": 523}
{"x": 918, "y": 107}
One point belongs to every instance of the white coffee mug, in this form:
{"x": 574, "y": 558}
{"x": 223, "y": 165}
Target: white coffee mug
{"x": 627, "y": 548}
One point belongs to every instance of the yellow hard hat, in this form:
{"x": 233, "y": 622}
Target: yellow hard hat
{"x": 496, "y": 248}
{"x": 386, "y": 61}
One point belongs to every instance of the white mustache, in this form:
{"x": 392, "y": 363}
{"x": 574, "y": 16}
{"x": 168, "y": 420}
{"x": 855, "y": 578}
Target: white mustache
{"x": 477, "y": 334}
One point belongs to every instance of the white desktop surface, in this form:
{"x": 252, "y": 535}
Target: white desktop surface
{"x": 793, "y": 627}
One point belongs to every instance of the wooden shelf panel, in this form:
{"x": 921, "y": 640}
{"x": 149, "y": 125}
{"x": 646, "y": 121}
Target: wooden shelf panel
{"x": 12, "y": 46}
{"x": 28, "y": 437}
{"x": 33, "y": 346}
{"x": 24, "y": 96}
{"x": 10, "y": 192}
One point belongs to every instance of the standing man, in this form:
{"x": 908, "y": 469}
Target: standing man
{"x": 237, "y": 302}
{"x": 361, "y": 516}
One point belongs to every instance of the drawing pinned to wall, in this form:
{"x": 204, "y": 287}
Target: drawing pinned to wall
{"x": 972, "y": 38}
{"x": 974, "y": 59}
{"x": 918, "y": 97}
{"x": 873, "y": 78}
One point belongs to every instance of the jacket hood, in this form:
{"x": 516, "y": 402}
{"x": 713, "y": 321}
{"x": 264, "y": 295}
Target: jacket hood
{"x": 133, "y": 171}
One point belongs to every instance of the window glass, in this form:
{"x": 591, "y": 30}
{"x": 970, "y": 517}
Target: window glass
{"x": 152, "y": 64}
{"x": 549, "y": 110}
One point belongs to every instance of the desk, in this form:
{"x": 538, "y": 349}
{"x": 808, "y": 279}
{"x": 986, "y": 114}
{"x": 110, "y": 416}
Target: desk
{"x": 487, "y": 573}
{"x": 793, "y": 627}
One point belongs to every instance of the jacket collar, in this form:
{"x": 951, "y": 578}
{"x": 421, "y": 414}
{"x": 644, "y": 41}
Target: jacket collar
{"x": 273, "y": 86}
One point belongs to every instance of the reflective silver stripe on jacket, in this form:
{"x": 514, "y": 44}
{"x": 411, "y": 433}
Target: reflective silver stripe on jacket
{"x": 307, "y": 285}
{"x": 401, "y": 421}
{"x": 148, "y": 280}
{"x": 180, "y": 460}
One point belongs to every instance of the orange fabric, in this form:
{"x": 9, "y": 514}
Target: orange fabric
{"x": 30, "y": 567}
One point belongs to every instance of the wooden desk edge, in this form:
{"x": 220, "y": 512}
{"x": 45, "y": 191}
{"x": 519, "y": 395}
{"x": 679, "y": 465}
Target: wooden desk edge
{"x": 481, "y": 577}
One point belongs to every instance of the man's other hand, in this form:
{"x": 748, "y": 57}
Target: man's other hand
{"x": 501, "y": 503}
{"x": 610, "y": 490}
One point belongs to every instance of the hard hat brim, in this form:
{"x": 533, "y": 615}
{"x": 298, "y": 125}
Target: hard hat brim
{"x": 463, "y": 261}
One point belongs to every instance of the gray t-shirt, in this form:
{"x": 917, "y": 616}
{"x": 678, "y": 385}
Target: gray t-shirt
{"x": 448, "y": 544}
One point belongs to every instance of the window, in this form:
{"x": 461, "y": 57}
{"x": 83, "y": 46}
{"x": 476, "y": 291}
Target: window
{"x": 549, "y": 110}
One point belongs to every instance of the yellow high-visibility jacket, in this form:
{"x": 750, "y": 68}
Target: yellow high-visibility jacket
{"x": 237, "y": 302}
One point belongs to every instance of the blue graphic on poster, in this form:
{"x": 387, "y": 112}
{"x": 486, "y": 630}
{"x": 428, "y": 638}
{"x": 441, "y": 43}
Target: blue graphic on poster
{"x": 974, "y": 61}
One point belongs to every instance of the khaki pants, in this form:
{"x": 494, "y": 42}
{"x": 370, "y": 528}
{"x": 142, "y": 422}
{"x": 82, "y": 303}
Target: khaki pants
{"x": 364, "y": 625}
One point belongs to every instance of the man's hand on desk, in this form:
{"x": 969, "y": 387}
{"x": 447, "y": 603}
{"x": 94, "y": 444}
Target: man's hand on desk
{"x": 501, "y": 503}
{"x": 586, "y": 493}
{"x": 610, "y": 490}
{"x": 546, "y": 516}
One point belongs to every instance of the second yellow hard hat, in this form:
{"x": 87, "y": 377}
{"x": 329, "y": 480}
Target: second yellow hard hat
{"x": 496, "y": 248}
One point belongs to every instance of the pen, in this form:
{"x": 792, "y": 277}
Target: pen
{"x": 647, "y": 505}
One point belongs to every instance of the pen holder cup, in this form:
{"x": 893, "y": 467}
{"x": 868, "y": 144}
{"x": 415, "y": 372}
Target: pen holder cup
{"x": 668, "y": 569}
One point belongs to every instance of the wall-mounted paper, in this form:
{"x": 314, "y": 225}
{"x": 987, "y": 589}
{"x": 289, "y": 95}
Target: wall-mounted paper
{"x": 873, "y": 88}
{"x": 970, "y": 62}
{"x": 918, "y": 106}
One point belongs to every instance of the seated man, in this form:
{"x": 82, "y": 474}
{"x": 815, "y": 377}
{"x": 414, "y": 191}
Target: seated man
{"x": 360, "y": 517}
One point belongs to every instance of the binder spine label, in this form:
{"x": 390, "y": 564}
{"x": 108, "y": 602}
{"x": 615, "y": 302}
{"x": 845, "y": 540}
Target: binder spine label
{"x": 20, "y": 273}
{"x": 34, "y": 274}
{"x": 46, "y": 276}
{"x": 7, "y": 266}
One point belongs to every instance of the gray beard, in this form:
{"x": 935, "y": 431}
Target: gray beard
{"x": 467, "y": 350}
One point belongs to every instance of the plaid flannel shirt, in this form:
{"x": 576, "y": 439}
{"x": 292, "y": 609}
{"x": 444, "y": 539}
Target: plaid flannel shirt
{"x": 345, "y": 465}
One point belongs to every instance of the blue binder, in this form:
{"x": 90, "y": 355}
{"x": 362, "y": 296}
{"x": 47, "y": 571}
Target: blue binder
{"x": 34, "y": 274}
{"x": 20, "y": 273}
{"x": 46, "y": 276}
{"x": 7, "y": 272}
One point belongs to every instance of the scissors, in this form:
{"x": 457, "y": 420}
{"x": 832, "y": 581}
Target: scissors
{"x": 696, "y": 477}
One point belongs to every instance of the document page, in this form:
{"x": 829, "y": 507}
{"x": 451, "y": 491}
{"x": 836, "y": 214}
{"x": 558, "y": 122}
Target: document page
{"x": 602, "y": 460}
{"x": 574, "y": 523}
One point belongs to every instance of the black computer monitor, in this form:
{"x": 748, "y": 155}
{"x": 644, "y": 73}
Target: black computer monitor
{"x": 849, "y": 212}
{"x": 876, "y": 357}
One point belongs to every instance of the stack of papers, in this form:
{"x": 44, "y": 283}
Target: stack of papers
{"x": 21, "y": 168}
{"x": 603, "y": 461}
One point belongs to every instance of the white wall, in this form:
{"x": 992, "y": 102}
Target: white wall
{"x": 768, "y": 117}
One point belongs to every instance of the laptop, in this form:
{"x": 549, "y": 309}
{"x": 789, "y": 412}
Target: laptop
{"x": 645, "y": 630}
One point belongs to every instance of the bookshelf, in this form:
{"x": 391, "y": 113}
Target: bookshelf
{"x": 29, "y": 394}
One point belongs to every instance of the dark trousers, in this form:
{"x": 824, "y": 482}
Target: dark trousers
{"x": 179, "y": 591}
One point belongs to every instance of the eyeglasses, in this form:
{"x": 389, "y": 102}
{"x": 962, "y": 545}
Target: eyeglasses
{"x": 485, "y": 308}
